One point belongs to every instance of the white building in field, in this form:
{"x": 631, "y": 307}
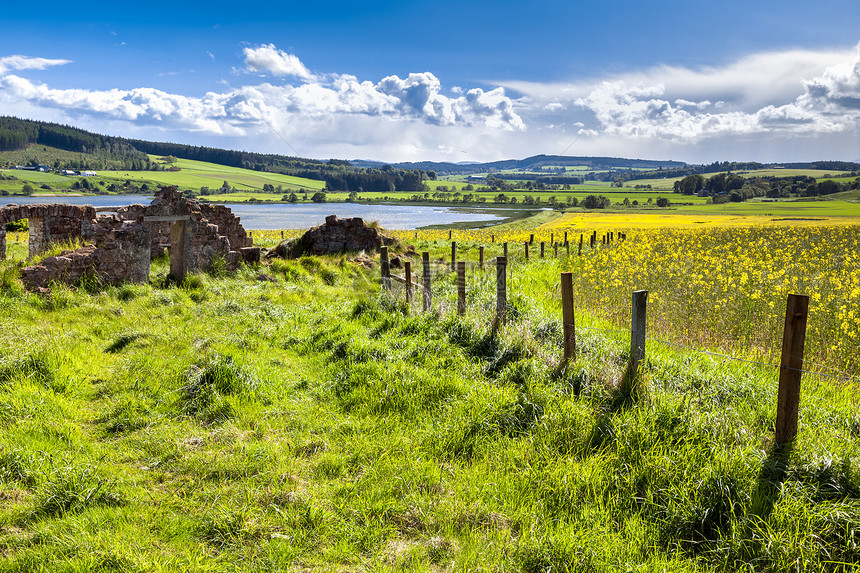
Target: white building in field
{"x": 89, "y": 174}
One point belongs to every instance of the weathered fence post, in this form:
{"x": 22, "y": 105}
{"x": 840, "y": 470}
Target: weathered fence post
{"x": 407, "y": 274}
{"x": 501, "y": 290}
{"x": 453, "y": 256}
{"x": 542, "y": 247}
{"x": 481, "y": 257}
{"x": 569, "y": 328}
{"x": 492, "y": 238}
{"x": 527, "y": 251}
{"x": 416, "y": 235}
{"x": 565, "y": 238}
{"x": 428, "y": 296}
{"x": 637, "y": 329}
{"x": 282, "y": 234}
{"x": 505, "y": 250}
{"x": 531, "y": 238}
{"x": 790, "y": 368}
{"x": 580, "y": 244}
{"x": 384, "y": 269}
{"x": 551, "y": 238}
{"x": 567, "y": 245}
{"x": 461, "y": 288}
{"x": 450, "y": 235}
{"x": 555, "y": 247}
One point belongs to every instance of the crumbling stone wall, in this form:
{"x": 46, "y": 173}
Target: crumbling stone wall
{"x": 49, "y": 223}
{"x": 123, "y": 258}
{"x": 335, "y": 236}
{"x": 124, "y": 241}
{"x": 228, "y": 225}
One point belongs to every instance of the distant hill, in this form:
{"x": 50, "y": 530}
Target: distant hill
{"x": 536, "y": 162}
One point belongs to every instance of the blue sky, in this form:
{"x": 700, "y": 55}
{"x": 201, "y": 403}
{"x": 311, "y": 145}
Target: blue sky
{"x": 452, "y": 81}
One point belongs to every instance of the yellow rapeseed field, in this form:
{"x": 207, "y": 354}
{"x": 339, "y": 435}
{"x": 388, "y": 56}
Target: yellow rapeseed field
{"x": 714, "y": 282}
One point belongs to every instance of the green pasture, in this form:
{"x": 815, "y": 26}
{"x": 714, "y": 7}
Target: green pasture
{"x": 293, "y": 416}
{"x": 197, "y": 174}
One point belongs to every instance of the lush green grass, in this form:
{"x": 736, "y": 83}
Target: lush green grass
{"x": 192, "y": 175}
{"x": 196, "y": 174}
{"x": 310, "y": 423}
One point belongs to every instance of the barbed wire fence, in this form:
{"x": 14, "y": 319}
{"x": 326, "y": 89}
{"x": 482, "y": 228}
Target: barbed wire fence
{"x": 439, "y": 286}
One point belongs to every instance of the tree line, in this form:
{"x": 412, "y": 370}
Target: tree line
{"x": 731, "y": 187}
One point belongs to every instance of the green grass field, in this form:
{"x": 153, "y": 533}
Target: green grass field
{"x": 311, "y": 422}
{"x": 196, "y": 174}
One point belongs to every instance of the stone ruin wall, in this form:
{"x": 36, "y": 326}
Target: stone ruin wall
{"x": 123, "y": 241}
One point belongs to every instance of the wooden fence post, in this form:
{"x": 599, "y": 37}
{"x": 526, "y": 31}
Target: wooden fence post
{"x": 637, "y": 329}
{"x": 461, "y": 288}
{"x": 453, "y": 256}
{"x": 567, "y": 245}
{"x": 531, "y": 238}
{"x": 527, "y": 251}
{"x": 428, "y": 296}
{"x": 407, "y": 274}
{"x": 384, "y": 269}
{"x": 492, "y": 238}
{"x": 481, "y": 257}
{"x": 555, "y": 247}
{"x": 551, "y": 238}
{"x": 505, "y": 250}
{"x": 565, "y": 238}
{"x": 790, "y": 368}
{"x": 282, "y": 234}
{"x": 567, "y": 316}
{"x": 580, "y": 244}
{"x": 501, "y": 290}
{"x": 542, "y": 247}
{"x": 450, "y": 235}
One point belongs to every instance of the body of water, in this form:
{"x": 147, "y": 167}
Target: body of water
{"x": 304, "y": 215}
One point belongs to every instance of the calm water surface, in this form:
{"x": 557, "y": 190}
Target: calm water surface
{"x": 302, "y": 216}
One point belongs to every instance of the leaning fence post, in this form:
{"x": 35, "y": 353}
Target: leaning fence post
{"x": 428, "y": 297}
{"x": 407, "y": 274}
{"x": 453, "y": 256}
{"x": 637, "y": 339}
{"x": 569, "y": 328}
{"x": 461, "y": 287}
{"x": 384, "y": 269}
{"x": 501, "y": 290}
{"x": 481, "y": 257}
{"x": 790, "y": 367}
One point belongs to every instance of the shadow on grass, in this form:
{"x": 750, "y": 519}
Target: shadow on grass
{"x": 774, "y": 471}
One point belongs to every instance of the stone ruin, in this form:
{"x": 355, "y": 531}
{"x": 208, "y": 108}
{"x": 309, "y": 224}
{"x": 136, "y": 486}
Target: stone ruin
{"x": 335, "y": 236}
{"x": 122, "y": 241}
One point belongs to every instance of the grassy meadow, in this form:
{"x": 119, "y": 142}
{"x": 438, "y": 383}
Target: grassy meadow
{"x": 294, "y": 417}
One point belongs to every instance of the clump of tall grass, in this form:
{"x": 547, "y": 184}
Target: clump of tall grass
{"x": 206, "y": 385}
{"x": 73, "y": 488}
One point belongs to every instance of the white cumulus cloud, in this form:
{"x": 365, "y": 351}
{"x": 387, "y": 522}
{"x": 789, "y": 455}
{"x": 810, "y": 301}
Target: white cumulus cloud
{"x": 269, "y": 59}
{"x": 21, "y": 63}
